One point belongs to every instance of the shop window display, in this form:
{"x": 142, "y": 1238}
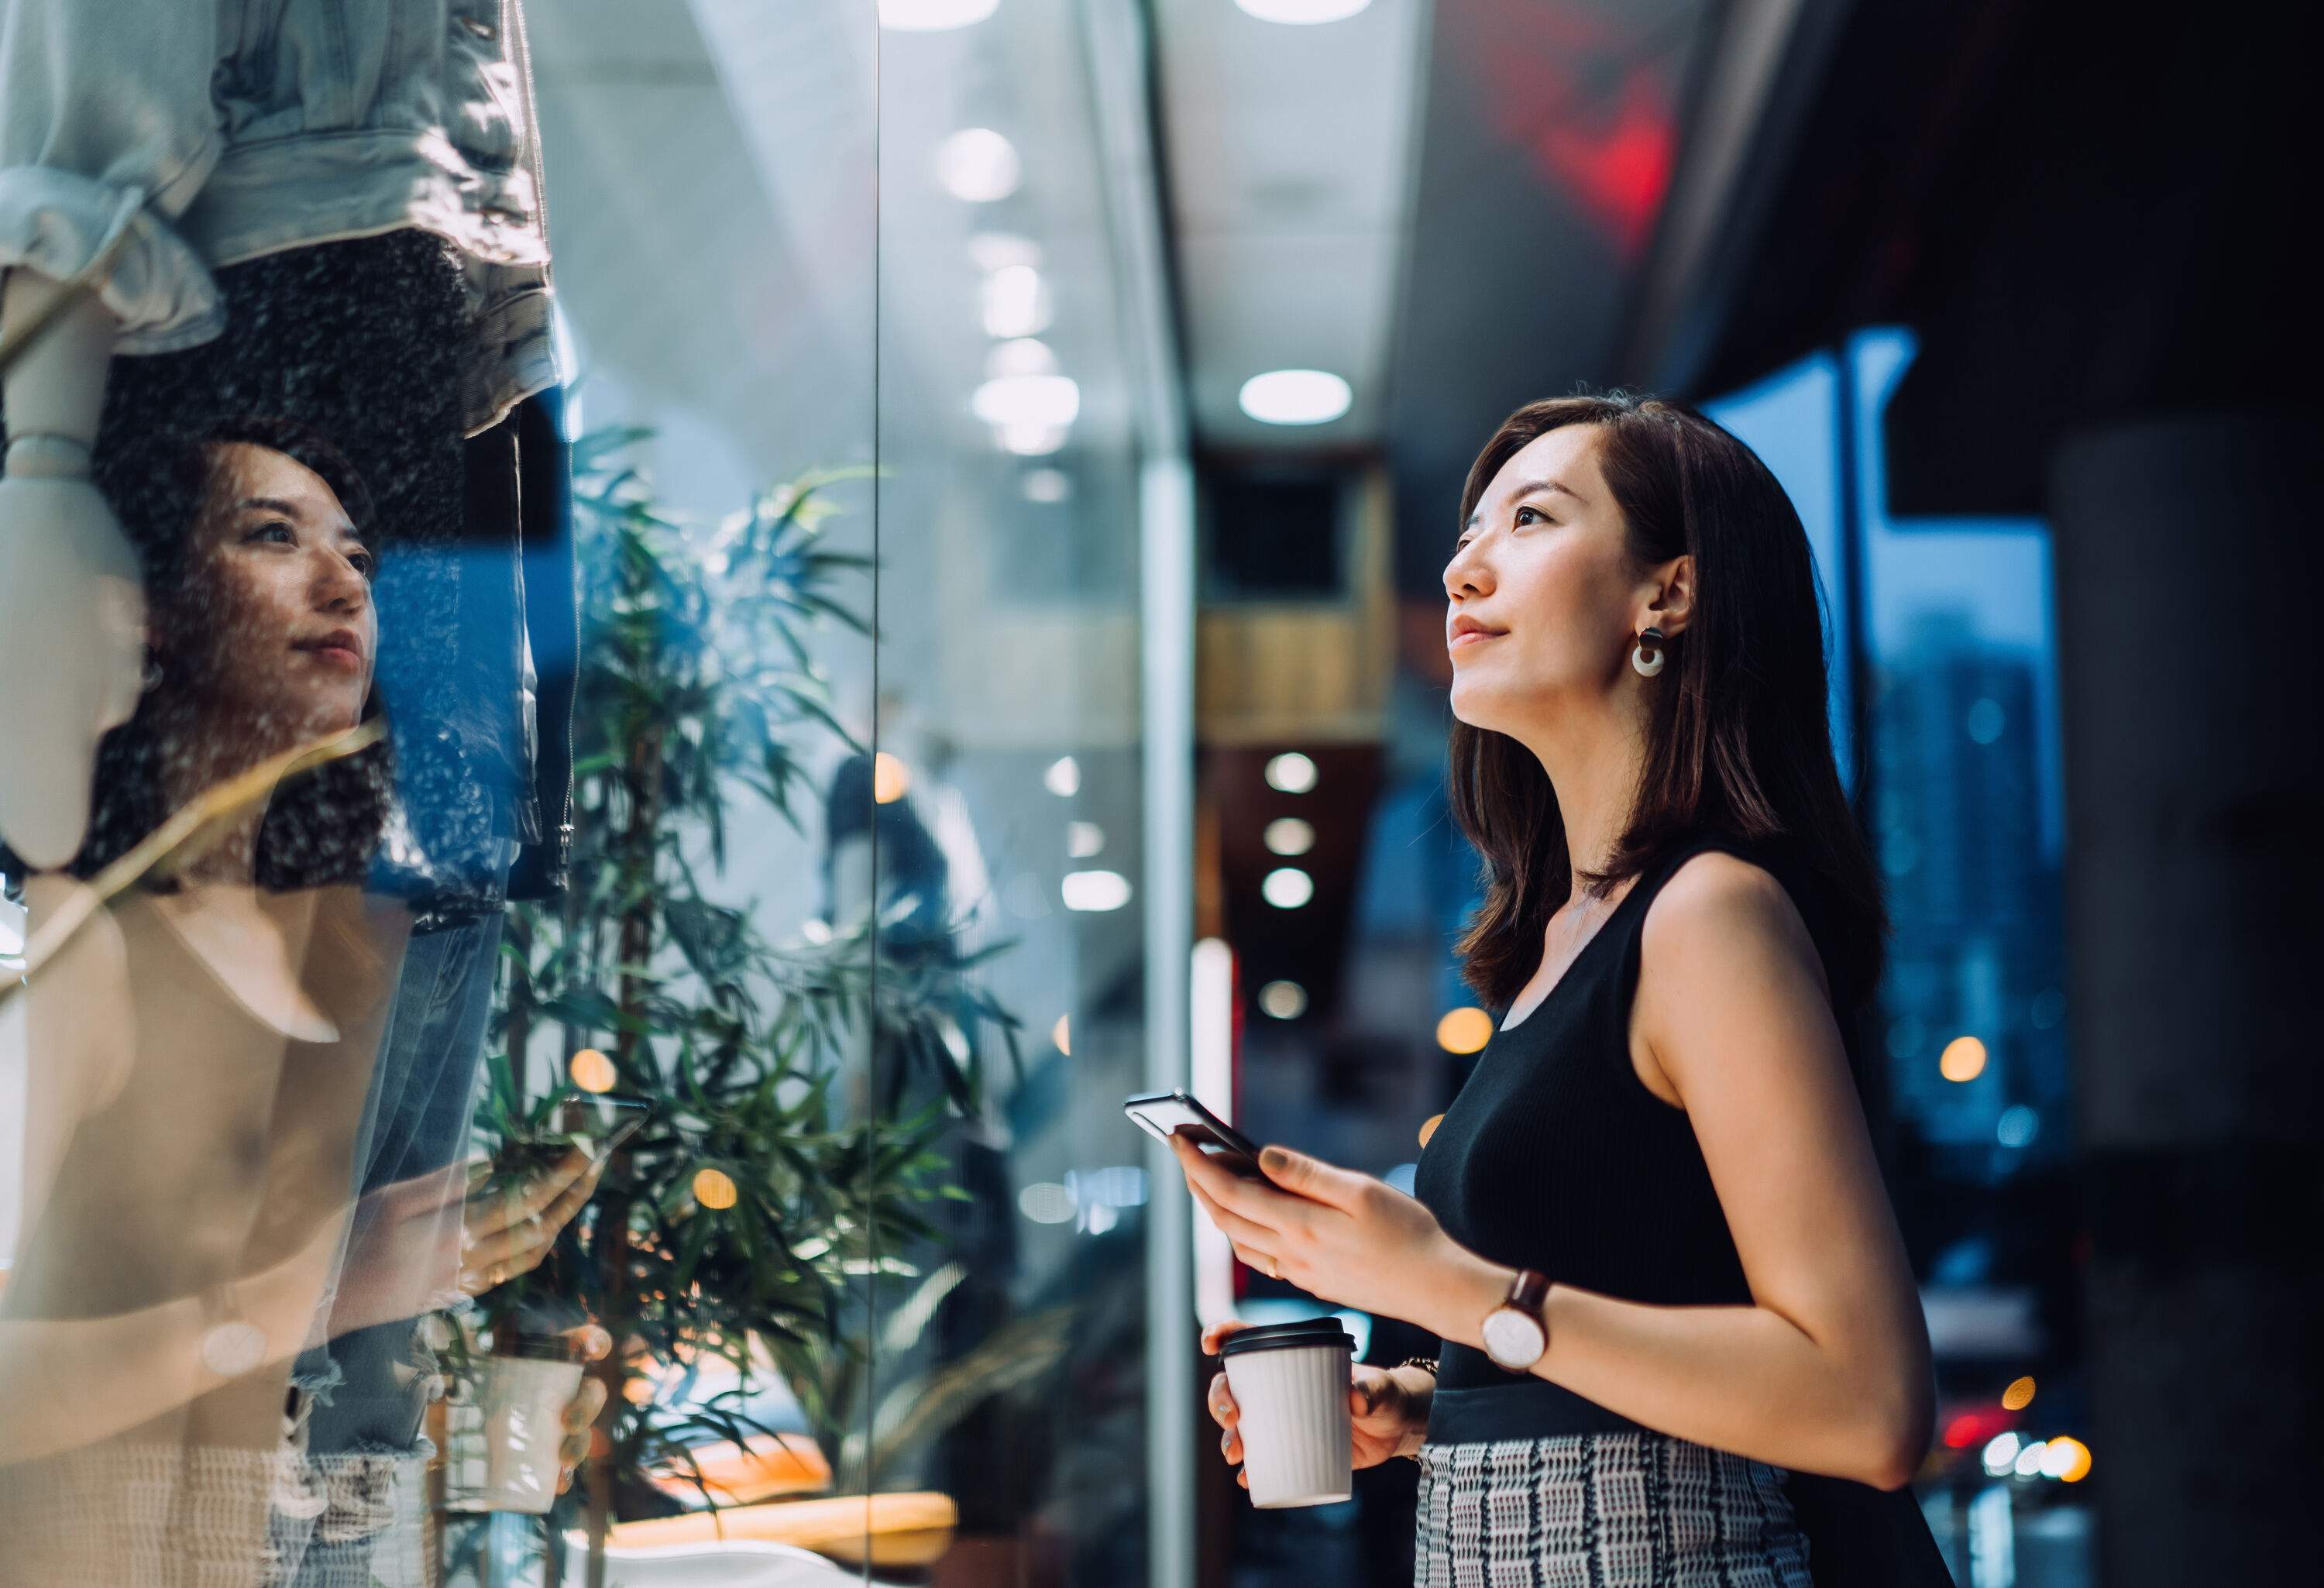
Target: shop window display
{"x": 556, "y": 973}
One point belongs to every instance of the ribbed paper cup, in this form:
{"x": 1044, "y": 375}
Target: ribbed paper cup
{"x": 1290, "y": 1381}
{"x": 523, "y": 1399}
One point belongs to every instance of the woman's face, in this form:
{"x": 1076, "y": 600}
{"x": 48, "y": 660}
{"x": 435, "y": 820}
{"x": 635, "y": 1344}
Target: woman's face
{"x": 276, "y": 624}
{"x": 1543, "y": 596}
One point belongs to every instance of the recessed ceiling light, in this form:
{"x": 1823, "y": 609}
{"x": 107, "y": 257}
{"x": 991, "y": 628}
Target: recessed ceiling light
{"x": 1014, "y": 301}
{"x": 1286, "y": 887}
{"x": 931, "y": 16}
{"x": 1301, "y": 11}
{"x": 1094, "y": 890}
{"x": 978, "y": 165}
{"x": 1296, "y": 397}
{"x": 1049, "y": 400}
{"x": 1291, "y": 772}
{"x": 1287, "y": 835}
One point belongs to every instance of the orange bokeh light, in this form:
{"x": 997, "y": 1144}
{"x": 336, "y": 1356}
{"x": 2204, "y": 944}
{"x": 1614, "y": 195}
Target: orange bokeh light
{"x": 1464, "y": 1031}
{"x": 1963, "y": 1059}
{"x": 714, "y": 1189}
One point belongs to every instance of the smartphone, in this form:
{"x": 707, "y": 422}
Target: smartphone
{"x": 1162, "y": 1115}
{"x": 600, "y": 1121}
{"x": 605, "y": 1120}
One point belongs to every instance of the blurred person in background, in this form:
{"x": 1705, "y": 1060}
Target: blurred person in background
{"x": 1681, "y": 1337}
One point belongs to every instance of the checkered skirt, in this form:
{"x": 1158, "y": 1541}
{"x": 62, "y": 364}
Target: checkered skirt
{"x": 1603, "y": 1511}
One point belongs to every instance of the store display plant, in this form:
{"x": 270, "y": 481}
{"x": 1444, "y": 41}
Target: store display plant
{"x": 746, "y": 1223}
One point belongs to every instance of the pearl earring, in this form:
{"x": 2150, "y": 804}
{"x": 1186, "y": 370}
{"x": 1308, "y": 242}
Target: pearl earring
{"x": 1647, "y": 655}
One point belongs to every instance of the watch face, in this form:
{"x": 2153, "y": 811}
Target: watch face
{"x": 1513, "y": 1340}
{"x": 232, "y": 1348}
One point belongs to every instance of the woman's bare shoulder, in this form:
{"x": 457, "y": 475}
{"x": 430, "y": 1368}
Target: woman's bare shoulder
{"x": 1719, "y": 908}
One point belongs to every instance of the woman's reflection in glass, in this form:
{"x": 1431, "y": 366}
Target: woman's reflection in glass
{"x": 201, "y": 1051}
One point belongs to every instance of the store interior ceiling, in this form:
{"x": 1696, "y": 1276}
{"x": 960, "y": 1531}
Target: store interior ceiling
{"x": 1453, "y": 204}
{"x": 1287, "y": 159}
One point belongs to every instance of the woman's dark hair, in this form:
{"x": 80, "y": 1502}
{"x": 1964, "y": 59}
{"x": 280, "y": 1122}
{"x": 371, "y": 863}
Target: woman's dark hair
{"x": 1737, "y": 741}
{"x": 321, "y": 825}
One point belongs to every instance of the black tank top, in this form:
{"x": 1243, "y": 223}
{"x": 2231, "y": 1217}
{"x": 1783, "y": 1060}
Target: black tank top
{"x": 1555, "y": 1157}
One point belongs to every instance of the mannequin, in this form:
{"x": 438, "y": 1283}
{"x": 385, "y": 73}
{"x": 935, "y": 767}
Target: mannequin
{"x": 71, "y": 604}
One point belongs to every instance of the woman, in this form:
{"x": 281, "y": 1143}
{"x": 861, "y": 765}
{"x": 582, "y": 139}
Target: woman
{"x": 206, "y": 1048}
{"x": 1650, "y": 1230}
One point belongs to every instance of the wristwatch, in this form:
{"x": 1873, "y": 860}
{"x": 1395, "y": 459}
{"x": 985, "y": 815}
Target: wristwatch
{"x": 1516, "y": 1334}
{"x": 231, "y": 1346}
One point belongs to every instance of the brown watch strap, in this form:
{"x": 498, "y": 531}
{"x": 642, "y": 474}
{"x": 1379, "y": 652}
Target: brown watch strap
{"x": 1527, "y": 1291}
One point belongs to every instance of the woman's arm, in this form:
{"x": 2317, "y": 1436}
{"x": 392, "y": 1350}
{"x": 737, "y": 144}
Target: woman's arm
{"x": 75, "y": 1381}
{"x": 1828, "y": 1371}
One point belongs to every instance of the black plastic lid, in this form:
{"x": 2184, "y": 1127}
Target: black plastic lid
{"x": 508, "y": 1340}
{"x": 1327, "y": 1331}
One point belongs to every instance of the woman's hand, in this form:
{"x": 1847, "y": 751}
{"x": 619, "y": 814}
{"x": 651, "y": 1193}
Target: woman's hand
{"x": 506, "y": 1230}
{"x": 1388, "y": 1409}
{"x": 1345, "y": 1237}
{"x": 580, "y": 1417}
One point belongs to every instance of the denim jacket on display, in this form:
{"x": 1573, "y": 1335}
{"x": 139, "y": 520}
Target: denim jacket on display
{"x": 144, "y": 143}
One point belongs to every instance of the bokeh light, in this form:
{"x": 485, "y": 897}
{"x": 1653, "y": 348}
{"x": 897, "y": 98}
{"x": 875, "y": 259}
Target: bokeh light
{"x": 2019, "y": 1395}
{"x": 978, "y": 165}
{"x": 1287, "y": 835}
{"x": 2001, "y": 1454}
{"x": 1286, "y": 887}
{"x": 1045, "y": 1202}
{"x": 1286, "y": 1001}
{"x": 1291, "y": 772}
{"x": 714, "y": 1189}
{"x": 1464, "y": 1031}
{"x": 591, "y": 1071}
{"x": 889, "y": 778}
{"x": 1963, "y": 1059}
{"x": 1296, "y": 397}
{"x": 1096, "y": 889}
{"x": 2066, "y": 1459}
{"x": 928, "y": 16}
{"x": 1302, "y": 13}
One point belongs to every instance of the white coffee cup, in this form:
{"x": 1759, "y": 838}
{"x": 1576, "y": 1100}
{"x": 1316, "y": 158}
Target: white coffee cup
{"x": 523, "y": 1401}
{"x": 1290, "y": 1383}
